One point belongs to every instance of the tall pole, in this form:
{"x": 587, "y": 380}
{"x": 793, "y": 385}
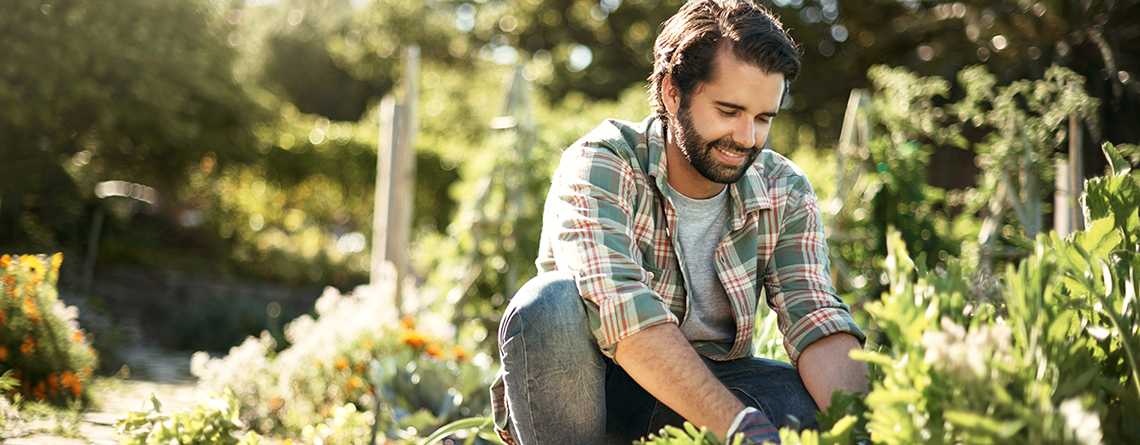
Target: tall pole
{"x": 395, "y": 183}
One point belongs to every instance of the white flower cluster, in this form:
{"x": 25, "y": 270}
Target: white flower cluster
{"x": 967, "y": 353}
{"x": 1080, "y": 424}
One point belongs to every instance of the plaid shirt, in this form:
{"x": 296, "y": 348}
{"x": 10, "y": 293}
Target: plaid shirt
{"x": 609, "y": 221}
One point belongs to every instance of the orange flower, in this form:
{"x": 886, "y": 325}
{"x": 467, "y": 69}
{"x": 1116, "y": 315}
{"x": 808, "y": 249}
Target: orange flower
{"x": 5, "y": 261}
{"x": 28, "y": 346}
{"x": 354, "y": 382}
{"x": 3, "y": 318}
{"x": 30, "y": 309}
{"x": 77, "y": 336}
{"x": 359, "y": 367}
{"x": 413, "y": 339}
{"x": 87, "y": 371}
{"x": 433, "y": 350}
{"x": 408, "y": 322}
{"x": 38, "y": 391}
{"x": 460, "y": 354}
{"x": 71, "y": 381}
{"x": 3, "y": 353}
{"x": 68, "y": 378}
{"x": 56, "y": 261}
{"x": 341, "y": 363}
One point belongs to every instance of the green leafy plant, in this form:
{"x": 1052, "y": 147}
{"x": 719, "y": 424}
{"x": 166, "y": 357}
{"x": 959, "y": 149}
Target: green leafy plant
{"x": 214, "y": 421}
{"x": 1043, "y": 354}
{"x": 41, "y": 345}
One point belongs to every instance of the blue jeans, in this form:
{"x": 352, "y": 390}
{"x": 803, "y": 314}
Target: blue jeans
{"x": 560, "y": 389}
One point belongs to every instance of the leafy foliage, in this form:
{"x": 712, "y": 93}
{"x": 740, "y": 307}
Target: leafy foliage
{"x": 43, "y": 352}
{"x": 213, "y": 421}
{"x": 1048, "y": 357}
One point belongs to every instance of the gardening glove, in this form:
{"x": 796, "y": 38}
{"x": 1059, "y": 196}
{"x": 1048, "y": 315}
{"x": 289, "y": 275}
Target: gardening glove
{"x": 755, "y": 427}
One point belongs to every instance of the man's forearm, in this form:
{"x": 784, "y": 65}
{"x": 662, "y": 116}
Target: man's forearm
{"x": 661, "y": 360}
{"x": 825, "y": 366}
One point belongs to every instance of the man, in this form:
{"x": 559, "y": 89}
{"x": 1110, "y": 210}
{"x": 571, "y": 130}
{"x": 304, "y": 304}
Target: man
{"x": 659, "y": 239}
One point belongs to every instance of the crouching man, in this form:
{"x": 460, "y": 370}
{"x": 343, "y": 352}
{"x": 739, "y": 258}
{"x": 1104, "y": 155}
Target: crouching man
{"x": 659, "y": 239}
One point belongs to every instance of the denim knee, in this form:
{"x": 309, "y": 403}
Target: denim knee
{"x": 549, "y": 312}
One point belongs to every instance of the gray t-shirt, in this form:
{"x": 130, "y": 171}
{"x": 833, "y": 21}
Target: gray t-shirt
{"x": 701, "y": 224}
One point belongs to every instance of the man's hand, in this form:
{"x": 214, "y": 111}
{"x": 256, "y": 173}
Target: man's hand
{"x": 661, "y": 360}
{"x": 825, "y": 366}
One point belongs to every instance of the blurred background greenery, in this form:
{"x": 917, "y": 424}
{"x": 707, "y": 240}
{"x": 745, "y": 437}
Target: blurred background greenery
{"x": 256, "y": 123}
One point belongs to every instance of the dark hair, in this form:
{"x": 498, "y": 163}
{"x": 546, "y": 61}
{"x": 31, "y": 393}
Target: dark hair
{"x": 688, "y": 43}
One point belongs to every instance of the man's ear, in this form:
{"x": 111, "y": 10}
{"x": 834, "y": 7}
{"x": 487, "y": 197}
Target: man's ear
{"x": 671, "y": 95}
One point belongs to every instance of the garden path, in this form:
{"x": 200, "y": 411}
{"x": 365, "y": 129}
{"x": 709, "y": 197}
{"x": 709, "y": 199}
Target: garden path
{"x": 152, "y": 370}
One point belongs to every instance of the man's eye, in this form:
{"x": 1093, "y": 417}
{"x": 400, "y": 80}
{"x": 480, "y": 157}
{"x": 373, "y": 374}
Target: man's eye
{"x": 728, "y": 112}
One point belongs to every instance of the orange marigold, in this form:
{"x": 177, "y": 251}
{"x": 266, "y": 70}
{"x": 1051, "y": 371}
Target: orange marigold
{"x": 341, "y": 363}
{"x": 354, "y": 382}
{"x": 408, "y": 322}
{"x": 460, "y": 353}
{"x": 67, "y": 378}
{"x": 433, "y": 350}
{"x": 30, "y": 309}
{"x": 77, "y": 336}
{"x": 3, "y": 353}
{"x": 40, "y": 391}
{"x": 5, "y": 261}
{"x": 413, "y": 339}
{"x": 28, "y": 346}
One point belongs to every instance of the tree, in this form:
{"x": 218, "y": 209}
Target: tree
{"x": 126, "y": 90}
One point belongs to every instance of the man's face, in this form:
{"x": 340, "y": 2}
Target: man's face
{"x": 722, "y": 161}
{"x": 723, "y": 124}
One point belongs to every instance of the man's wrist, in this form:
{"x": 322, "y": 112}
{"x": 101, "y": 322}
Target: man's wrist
{"x": 736, "y": 422}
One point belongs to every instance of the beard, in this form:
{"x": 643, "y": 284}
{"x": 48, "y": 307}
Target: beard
{"x": 700, "y": 154}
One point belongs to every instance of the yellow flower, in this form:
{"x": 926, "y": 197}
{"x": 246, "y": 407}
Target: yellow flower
{"x": 56, "y": 260}
{"x": 5, "y": 261}
{"x": 341, "y": 363}
{"x": 32, "y": 263}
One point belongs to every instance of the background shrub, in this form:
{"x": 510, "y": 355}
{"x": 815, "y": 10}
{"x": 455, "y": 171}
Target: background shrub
{"x": 40, "y": 341}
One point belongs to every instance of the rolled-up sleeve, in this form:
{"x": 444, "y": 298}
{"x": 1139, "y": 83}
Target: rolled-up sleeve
{"x": 588, "y": 223}
{"x": 798, "y": 276}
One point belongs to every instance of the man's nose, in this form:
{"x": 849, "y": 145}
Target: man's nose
{"x": 745, "y": 133}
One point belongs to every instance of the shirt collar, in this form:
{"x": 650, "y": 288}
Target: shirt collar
{"x": 747, "y": 195}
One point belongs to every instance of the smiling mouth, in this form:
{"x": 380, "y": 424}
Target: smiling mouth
{"x": 729, "y": 154}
